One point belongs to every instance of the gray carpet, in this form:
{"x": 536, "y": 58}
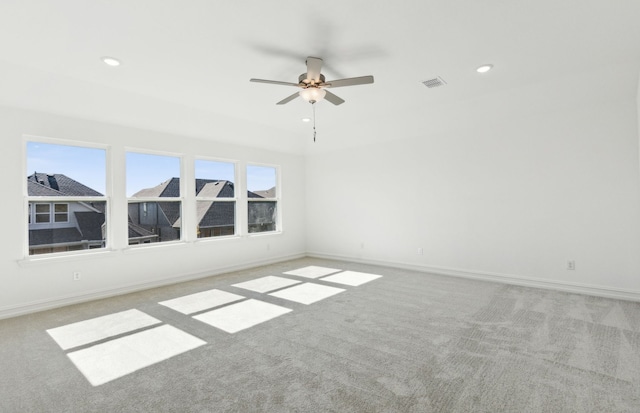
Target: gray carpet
{"x": 406, "y": 342}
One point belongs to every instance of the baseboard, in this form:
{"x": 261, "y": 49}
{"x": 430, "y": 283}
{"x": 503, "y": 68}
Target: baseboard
{"x": 41, "y": 305}
{"x": 577, "y": 288}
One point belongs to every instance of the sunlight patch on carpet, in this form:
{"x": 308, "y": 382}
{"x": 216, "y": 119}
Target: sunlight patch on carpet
{"x": 113, "y": 359}
{"x": 95, "y": 329}
{"x": 266, "y": 284}
{"x": 312, "y": 271}
{"x": 351, "y": 278}
{"x": 205, "y": 300}
{"x": 237, "y": 317}
{"x": 307, "y": 293}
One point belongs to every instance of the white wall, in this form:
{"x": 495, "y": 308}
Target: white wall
{"x": 28, "y": 285}
{"x": 524, "y": 181}
{"x": 511, "y": 188}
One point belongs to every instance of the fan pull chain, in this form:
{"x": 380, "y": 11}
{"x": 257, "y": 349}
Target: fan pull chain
{"x": 314, "y": 121}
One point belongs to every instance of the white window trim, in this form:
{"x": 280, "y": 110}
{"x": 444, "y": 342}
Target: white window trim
{"x": 236, "y": 191}
{"x": 115, "y": 177}
{"x": 26, "y": 258}
{"x": 279, "y": 224}
{"x": 182, "y": 199}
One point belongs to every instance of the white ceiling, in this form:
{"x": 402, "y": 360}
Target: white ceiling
{"x": 187, "y": 64}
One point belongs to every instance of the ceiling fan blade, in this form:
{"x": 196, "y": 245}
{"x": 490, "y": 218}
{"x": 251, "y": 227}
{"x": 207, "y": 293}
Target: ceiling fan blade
{"x": 333, "y": 98}
{"x": 352, "y": 81}
{"x": 288, "y": 99}
{"x": 274, "y": 82}
{"x": 314, "y": 65}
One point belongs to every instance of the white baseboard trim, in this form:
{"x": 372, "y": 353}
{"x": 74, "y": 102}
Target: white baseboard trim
{"x": 47, "y": 304}
{"x": 594, "y": 290}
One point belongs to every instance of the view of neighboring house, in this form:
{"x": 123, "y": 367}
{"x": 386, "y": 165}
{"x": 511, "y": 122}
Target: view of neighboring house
{"x": 75, "y": 225}
{"x": 262, "y": 214}
{"x": 215, "y": 218}
{"x": 65, "y": 225}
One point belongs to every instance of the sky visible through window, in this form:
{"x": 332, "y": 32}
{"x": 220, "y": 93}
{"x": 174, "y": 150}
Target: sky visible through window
{"x": 85, "y": 165}
{"x": 147, "y": 171}
{"x": 223, "y": 171}
{"x": 88, "y": 166}
{"x": 260, "y": 178}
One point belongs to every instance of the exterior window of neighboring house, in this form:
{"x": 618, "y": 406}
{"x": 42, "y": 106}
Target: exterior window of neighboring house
{"x": 43, "y": 213}
{"x": 65, "y": 196}
{"x": 262, "y": 197}
{"x": 154, "y": 198}
{"x": 215, "y": 198}
{"x": 61, "y": 212}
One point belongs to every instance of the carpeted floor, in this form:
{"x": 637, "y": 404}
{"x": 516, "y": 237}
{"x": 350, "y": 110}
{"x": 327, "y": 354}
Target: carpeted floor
{"x": 404, "y": 342}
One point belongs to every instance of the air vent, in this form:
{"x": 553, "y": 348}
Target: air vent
{"x": 435, "y": 82}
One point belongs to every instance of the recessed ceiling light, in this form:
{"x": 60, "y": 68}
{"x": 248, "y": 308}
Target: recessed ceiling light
{"x": 484, "y": 68}
{"x": 111, "y": 61}
{"x": 306, "y": 119}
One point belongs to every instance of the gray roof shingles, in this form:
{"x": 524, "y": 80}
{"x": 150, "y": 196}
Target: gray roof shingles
{"x": 210, "y": 214}
{"x": 90, "y": 224}
{"x": 61, "y": 183}
{"x": 54, "y": 236}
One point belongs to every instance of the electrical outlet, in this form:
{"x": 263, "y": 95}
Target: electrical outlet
{"x": 76, "y": 275}
{"x": 571, "y": 265}
{"x": 420, "y": 251}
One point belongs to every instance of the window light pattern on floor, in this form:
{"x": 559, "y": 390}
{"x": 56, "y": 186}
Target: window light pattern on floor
{"x": 266, "y": 284}
{"x": 307, "y": 293}
{"x": 117, "y": 357}
{"x": 312, "y": 271}
{"x": 96, "y": 329}
{"x": 351, "y": 278}
{"x": 205, "y": 300}
{"x": 240, "y": 316}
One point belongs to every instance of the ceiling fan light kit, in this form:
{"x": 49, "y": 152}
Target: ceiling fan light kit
{"x": 312, "y": 94}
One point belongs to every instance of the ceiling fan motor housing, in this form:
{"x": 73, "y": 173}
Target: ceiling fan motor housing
{"x": 309, "y": 82}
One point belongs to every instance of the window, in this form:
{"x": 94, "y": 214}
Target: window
{"x": 215, "y": 198}
{"x": 43, "y": 213}
{"x": 154, "y": 198}
{"x": 61, "y": 212}
{"x": 262, "y": 197}
{"x": 65, "y": 196}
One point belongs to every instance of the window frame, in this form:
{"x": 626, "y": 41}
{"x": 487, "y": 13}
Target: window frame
{"x": 181, "y": 199}
{"x": 277, "y": 199}
{"x": 28, "y": 200}
{"x": 116, "y": 201}
{"x": 237, "y": 189}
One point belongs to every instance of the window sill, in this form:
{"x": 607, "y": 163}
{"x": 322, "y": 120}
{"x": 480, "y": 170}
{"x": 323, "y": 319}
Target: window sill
{"x": 203, "y": 241}
{"x": 263, "y": 234}
{"x": 154, "y": 246}
{"x": 46, "y": 259}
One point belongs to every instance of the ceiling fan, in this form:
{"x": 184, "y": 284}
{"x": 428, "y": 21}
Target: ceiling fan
{"x": 314, "y": 86}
